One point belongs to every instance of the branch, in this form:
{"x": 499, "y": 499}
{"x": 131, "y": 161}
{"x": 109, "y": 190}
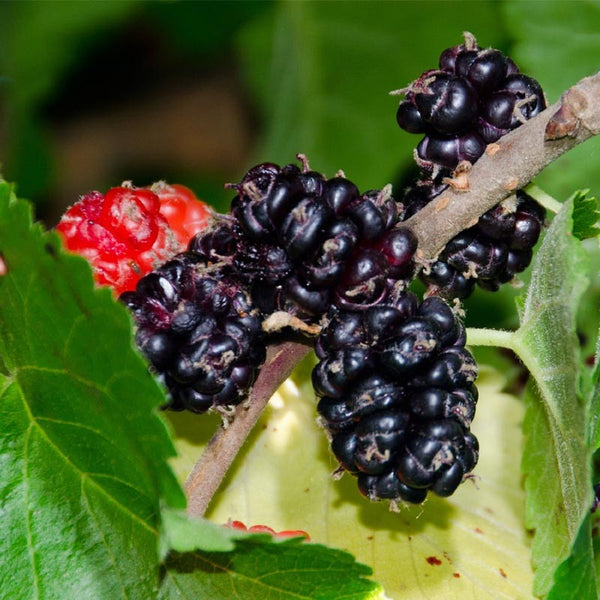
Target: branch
{"x": 209, "y": 471}
{"x": 508, "y": 165}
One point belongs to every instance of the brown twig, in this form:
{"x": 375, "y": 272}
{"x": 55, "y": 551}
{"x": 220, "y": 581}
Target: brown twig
{"x": 508, "y": 165}
{"x": 209, "y": 471}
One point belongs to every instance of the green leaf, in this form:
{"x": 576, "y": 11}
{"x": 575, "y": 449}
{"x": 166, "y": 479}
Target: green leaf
{"x": 208, "y": 560}
{"x": 587, "y": 333}
{"x": 576, "y": 578}
{"x": 586, "y": 215}
{"x": 557, "y": 456}
{"x": 594, "y": 430}
{"x": 596, "y": 548}
{"x": 289, "y": 570}
{"x": 183, "y": 533}
{"x": 83, "y": 452}
{"x": 558, "y": 43}
{"x": 472, "y": 545}
{"x": 321, "y": 73}
{"x": 594, "y": 391}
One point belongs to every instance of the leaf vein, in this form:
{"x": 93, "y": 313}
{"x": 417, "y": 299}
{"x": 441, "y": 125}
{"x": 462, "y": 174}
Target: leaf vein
{"x": 34, "y": 421}
{"x": 30, "y": 546}
{"x": 106, "y": 545}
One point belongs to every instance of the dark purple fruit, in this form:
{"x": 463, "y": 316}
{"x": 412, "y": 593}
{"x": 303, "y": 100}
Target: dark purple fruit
{"x": 415, "y": 343}
{"x": 497, "y": 223}
{"x": 526, "y": 233}
{"x": 283, "y": 196}
{"x": 302, "y": 229}
{"x": 343, "y": 445}
{"x": 329, "y": 261}
{"x": 389, "y": 487}
{"x": 518, "y": 260}
{"x": 399, "y": 247}
{"x": 301, "y": 242}
{"x": 448, "y": 282}
{"x": 200, "y": 331}
{"x": 397, "y": 397}
{"x": 409, "y": 118}
{"x": 296, "y": 297}
{"x": 379, "y": 436}
{"x": 364, "y": 280}
{"x": 448, "y": 104}
{"x": 339, "y": 193}
{"x": 483, "y": 69}
{"x": 447, "y": 152}
{"x": 436, "y": 311}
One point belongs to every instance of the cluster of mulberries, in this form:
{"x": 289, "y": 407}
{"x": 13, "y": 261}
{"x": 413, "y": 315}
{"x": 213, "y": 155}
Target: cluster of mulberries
{"x": 293, "y": 241}
{"x": 488, "y": 254}
{"x": 474, "y": 98}
{"x": 396, "y": 396}
{"x": 394, "y": 381}
{"x": 303, "y": 242}
{"x": 200, "y": 331}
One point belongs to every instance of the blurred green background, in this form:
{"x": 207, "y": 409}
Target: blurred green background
{"x": 94, "y": 93}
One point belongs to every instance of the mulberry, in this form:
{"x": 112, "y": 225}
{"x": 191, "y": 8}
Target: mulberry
{"x": 130, "y": 231}
{"x": 488, "y": 254}
{"x": 396, "y": 396}
{"x": 302, "y": 242}
{"x": 475, "y": 97}
{"x": 200, "y": 331}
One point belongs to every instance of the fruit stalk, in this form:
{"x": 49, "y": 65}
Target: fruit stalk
{"x": 508, "y": 165}
{"x": 211, "y": 468}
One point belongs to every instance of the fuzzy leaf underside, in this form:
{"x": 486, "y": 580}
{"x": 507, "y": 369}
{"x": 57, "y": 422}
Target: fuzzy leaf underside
{"x": 556, "y": 459}
{"x": 594, "y": 429}
{"x": 83, "y": 454}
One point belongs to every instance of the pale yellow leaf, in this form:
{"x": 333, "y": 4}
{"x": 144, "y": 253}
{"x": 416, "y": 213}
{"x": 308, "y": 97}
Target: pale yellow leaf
{"x": 472, "y": 545}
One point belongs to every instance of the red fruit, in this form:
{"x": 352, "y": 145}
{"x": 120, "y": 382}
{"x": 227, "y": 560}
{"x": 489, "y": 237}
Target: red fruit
{"x": 265, "y": 529}
{"x": 261, "y": 529}
{"x": 236, "y": 525}
{"x": 129, "y": 231}
{"x": 185, "y": 214}
{"x": 293, "y": 533}
{"x": 132, "y": 215}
